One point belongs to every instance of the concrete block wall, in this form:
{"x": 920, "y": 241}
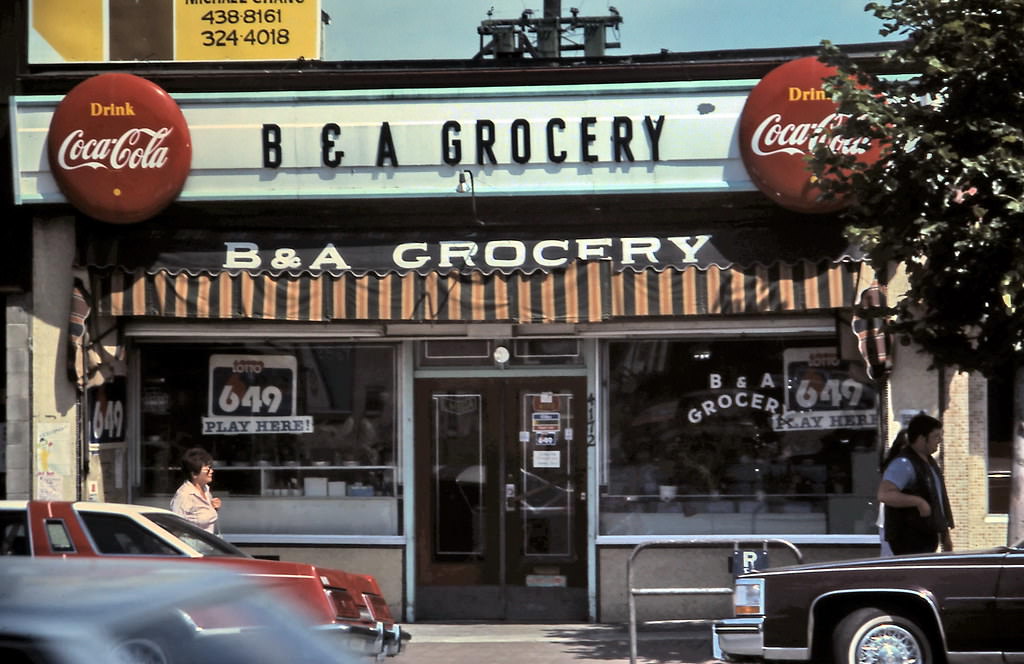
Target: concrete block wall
{"x": 18, "y": 416}
{"x": 53, "y": 441}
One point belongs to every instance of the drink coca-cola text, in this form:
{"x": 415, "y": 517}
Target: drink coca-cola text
{"x": 137, "y": 148}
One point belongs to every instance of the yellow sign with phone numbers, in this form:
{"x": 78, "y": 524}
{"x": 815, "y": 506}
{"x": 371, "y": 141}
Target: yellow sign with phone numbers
{"x": 173, "y": 30}
{"x": 247, "y": 30}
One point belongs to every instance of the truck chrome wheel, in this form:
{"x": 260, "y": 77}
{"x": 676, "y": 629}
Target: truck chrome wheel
{"x": 872, "y": 636}
{"x": 888, "y": 644}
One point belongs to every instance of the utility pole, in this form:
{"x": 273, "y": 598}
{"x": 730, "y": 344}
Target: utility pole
{"x": 549, "y": 33}
{"x": 509, "y": 38}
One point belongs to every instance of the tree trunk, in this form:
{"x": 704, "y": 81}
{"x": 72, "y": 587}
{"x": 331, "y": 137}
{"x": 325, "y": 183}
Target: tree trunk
{"x": 1015, "y": 527}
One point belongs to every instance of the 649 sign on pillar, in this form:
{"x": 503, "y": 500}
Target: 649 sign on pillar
{"x": 253, "y": 394}
{"x": 107, "y": 421}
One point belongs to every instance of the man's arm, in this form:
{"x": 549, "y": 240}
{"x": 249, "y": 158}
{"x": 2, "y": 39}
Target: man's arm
{"x": 891, "y": 495}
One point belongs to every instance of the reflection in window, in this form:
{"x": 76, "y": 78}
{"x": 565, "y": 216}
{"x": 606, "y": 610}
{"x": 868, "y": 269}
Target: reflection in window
{"x": 14, "y": 533}
{"x": 546, "y": 473}
{"x": 1000, "y": 439}
{"x": 459, "y": 474}
{"x": 733, "y": 437}
{"x": 281, "y": 420}
{"x": 117, "y": 534}
{"x": 202, "y": 541}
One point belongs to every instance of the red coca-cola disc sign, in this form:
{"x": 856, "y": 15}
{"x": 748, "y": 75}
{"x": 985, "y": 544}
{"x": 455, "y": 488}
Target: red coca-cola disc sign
{"x": 785, "y": 116}
{"x": 119, "y": 148}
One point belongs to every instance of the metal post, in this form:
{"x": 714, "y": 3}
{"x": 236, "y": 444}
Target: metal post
{"x": 632, "y": 591}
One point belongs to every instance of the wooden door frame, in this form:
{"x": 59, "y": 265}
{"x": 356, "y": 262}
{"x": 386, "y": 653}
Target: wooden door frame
{"x": 506, "y": 391}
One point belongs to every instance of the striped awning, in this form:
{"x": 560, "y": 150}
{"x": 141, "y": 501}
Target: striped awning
{"x": 580, "y": 293}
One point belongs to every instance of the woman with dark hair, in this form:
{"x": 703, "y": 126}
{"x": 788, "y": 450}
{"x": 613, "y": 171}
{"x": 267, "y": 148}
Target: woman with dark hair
{"x": 917, "y": 513}
{"x": 193, "y": 499}
{"x": 898, "y": 443}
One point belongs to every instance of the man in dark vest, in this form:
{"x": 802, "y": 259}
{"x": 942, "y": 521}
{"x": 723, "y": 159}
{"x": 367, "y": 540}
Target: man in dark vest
{"x": 917, "y": 513}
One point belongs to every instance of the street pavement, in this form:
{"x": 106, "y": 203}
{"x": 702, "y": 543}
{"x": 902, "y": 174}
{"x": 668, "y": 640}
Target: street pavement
{"x": 686, "y": 642}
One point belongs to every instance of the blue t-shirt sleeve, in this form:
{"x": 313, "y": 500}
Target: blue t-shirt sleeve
{"x": 900, "y": 472}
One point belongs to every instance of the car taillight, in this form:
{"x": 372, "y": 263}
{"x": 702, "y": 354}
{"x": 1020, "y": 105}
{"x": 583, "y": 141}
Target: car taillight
{"x": 345, "y": 605}
{"x": 748, "y": 597}
{"x": 378, "y": 607}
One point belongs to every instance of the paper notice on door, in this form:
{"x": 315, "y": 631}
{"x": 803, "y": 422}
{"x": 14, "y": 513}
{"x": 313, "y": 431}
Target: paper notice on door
{"x": 547, "y": 459}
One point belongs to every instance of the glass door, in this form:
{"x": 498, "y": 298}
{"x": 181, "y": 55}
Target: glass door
{"x": 501, "y": 519}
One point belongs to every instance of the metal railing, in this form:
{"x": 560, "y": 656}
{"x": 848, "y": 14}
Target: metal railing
{"x": 634, "y": 592}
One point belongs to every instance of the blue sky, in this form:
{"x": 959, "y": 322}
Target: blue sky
{"x": 446, "y": 29}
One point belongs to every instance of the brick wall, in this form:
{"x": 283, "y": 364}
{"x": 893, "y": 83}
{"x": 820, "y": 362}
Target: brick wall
{"x": 964, "y": 460}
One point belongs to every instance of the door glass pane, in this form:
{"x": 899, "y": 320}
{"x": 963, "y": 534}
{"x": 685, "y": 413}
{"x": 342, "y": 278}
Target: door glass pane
{"x": 458, "y": 476}
{"x": 546, "y": 488}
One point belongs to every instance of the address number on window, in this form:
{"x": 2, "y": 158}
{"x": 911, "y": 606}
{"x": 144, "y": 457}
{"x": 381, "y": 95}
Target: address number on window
{"x": 107, "y": 411}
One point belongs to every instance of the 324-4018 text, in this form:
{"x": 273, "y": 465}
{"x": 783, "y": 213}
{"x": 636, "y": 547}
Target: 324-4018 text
{"x": 262, "y": 37}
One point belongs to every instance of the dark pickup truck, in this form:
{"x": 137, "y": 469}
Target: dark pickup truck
{"x": 957, "y": 607}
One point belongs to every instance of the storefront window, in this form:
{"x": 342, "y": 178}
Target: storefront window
{"x": 751, "y": 436}
{"x": 303, "y": 435}
{"x": 1000, "y": 439}
{"x": 490, "y": 352}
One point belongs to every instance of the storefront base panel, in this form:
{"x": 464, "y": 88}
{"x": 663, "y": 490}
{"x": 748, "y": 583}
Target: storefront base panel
{"x": 383, "y": 563}
{"x": 688, "y": 567}
{"x": 369, "y": 516}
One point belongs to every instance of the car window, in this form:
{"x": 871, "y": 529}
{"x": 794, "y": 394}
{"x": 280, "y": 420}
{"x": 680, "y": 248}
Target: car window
{"x": 57, "y": 534}
{"x": 114, "y": 533}
{"x": 202, "y": 541}
{"x": 13, "y": 533}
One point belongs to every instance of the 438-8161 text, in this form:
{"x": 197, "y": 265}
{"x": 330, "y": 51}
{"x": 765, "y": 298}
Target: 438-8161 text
{"x": 246, "y": 16}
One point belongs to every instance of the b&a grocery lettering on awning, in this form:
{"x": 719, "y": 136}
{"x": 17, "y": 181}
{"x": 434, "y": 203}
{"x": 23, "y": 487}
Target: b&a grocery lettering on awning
{"x": 523, "y": 277}
{"x": 326, "y": 252}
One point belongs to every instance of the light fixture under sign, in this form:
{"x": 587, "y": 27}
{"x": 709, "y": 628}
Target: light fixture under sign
{"x": 501, "y": 354}
{"x": 470, "y": 187}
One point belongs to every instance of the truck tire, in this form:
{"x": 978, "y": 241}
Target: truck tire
{"x": 139, "y": 651}
{"x": 871, "y": 635}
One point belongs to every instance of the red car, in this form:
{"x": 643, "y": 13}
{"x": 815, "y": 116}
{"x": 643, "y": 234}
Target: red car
{"x": 349, "y": 604}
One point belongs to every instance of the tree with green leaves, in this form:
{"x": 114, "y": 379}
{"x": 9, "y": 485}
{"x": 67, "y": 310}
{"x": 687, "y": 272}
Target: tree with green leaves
{"x": 945, "y": 198}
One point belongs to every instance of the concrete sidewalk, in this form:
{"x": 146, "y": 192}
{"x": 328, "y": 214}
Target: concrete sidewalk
{"x": 515, "y": 643}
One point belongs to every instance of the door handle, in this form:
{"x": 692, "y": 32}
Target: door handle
{"x": 511, "y": 499}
